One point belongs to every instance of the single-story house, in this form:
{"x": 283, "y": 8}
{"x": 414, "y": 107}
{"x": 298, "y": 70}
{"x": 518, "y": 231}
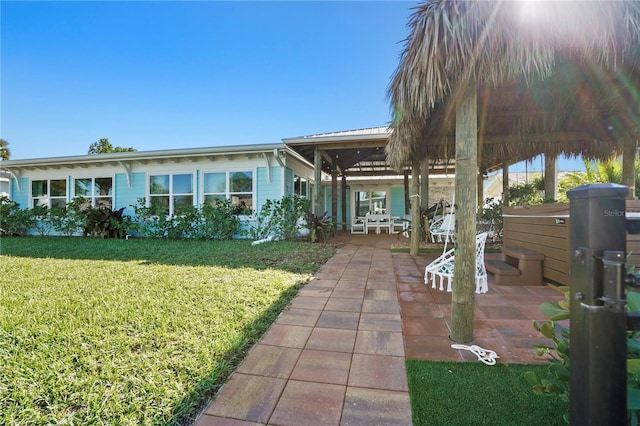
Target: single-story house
{"x": 247, "y": 175}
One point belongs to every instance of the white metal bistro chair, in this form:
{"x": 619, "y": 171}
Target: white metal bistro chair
{"x": 358, "y": 225}
{"x": 442, "y": 268}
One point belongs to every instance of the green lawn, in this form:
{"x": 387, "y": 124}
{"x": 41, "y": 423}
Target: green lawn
{"x": 133, "y": 331}
{"x": 145, "y": 331}
{"x": 472, "y": 393}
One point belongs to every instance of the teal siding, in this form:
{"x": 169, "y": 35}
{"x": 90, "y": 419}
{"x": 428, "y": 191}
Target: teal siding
{"x": 265, "y": 190}
{"x": 288, "y": 182}
{"x": 327, "y": 203}
{"x": 20, "y": 197}
{"x": 397, "y": 201}
{"x": 127, "y": 197}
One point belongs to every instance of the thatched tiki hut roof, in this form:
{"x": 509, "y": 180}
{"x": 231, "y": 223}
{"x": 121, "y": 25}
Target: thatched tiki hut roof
{"x": 491, "y": 83}
{"x": 552, "y": 77}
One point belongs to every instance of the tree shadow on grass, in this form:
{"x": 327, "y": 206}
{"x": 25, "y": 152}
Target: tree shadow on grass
{"x": 295, "y": 257}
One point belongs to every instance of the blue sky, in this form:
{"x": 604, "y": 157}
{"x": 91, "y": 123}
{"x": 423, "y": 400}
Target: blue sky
{"x": 163, "y": 75}
{"x": 156, "y": 75}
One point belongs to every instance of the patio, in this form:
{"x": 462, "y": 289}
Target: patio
{"x": 336, "y": 355}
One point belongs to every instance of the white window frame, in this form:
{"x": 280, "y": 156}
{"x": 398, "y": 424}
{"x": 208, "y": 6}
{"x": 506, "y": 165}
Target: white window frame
{"x": 228, "y": 194}
{"x": 93, "y": 197}
{"x": 47, "y": 198}
{"x": 369, "y": 190}
{"x": 303, "y": 185}
{"x": 172, "y": 195}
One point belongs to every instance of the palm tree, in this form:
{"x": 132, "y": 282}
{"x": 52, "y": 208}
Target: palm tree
{"x": 596, "y": 172}
{"x": 5, "y": 153}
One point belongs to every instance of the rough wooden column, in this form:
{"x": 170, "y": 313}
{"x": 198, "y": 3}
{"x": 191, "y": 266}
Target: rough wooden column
{"x": 424, "y": 184}
{"x": 480, "y": 190}
{"x": 505, "y": 184}
{"x": 317, "y": 180}
{"x": 628, "y": 164}
{"x": 550, "y": 178}
{"x": 464, "y": 281}
{"x": 334, "y": 197}
{"x": 407, "y": 201}
{"x": 344, "y": 202}
{"x": 415, "y": 208}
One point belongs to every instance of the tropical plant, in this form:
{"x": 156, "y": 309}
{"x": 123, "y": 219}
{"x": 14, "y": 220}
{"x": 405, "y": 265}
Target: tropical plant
{"x": 490, "y": 217}
{"x": 71, "y": 219}
{"x": 211, "y": 221}
{"x": 103, "y": 146}
{"x": 527, "y": 194}
{"x": 320, "y": 226}
{"x": 13, "y": 219}
{"x": 41, "y": 220}
{"x": 105, "y": 223}
{"x": 279, "y": 219}
{"x": 5, "y": 152}
{"x": 609, "y": 171}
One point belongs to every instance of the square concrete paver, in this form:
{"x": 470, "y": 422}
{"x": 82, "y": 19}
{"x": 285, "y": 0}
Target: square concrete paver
{"x": 380, "y": 322}
{"x": 344, "y": 304}
{"x": 378, "y": 372}
{"x": 379, "y": 343}
{"x": 332, "y": 319}
{"x": 322, "y": 367}
{"x": 365, "y": 407}
{"x": 271, "y": 361}
{"x": 381, "y": 306}
{"x": 332, "y": 339}
{"x": 307, "y": 403}
{"x": 305, "y": 317}
{"x": 247, "y": 397}
{"x": 292, "y": 336}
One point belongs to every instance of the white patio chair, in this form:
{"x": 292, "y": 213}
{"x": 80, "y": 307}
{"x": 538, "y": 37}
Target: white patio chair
{"x": 442, "y": 268}
{"x": 358, "y": 225}
{"x": 443, "y": 228}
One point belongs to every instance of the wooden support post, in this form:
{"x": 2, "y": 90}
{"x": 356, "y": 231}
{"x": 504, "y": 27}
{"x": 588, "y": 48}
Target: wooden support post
{"x": 629, "y": 151}
{"x": 550, "y": 178}
{"x": 424, "y": 184}
{"x": 407, "y": 201}
{"x": 344, "y": 203}
{"x": 317, "y": 177}
{"x": 415, "y": 208}
{"x": 464, "y": 274}
{"x": 505, "y": 184}
{"x": 334, "y": 197}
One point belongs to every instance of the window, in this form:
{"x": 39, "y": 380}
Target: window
{"x": 169, "y": 194}
{"x": 49, "y": 193}
{"x": 234, "y": 186}
{"x": 300, "y": 186}
{"x": 97, "y": 191}
{"x": 370, "y": 202}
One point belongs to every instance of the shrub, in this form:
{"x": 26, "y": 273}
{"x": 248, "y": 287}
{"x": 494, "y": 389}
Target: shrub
{"x": 217, "y": 222}
{"x": 14, "y": 220}
{"x": 280, "y": 219}
{"x": 70, "y": 220}
{"x": 491, "y": 217}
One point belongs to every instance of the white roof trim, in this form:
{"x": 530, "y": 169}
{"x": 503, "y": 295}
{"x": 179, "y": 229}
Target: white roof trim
{"x": 369, "y": 133}
{"x": 117, "y": 157}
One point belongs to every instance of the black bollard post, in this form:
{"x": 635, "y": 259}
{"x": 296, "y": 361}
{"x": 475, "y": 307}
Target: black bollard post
{"x": 597, "y": 235}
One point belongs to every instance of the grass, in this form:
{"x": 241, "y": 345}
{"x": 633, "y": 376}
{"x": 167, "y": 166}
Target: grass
{"x": 133, "y": 331}
{"x": 450, "y": 393}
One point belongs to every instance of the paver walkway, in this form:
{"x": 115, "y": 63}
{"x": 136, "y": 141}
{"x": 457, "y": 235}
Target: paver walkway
{"x": 336, "y": 356}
